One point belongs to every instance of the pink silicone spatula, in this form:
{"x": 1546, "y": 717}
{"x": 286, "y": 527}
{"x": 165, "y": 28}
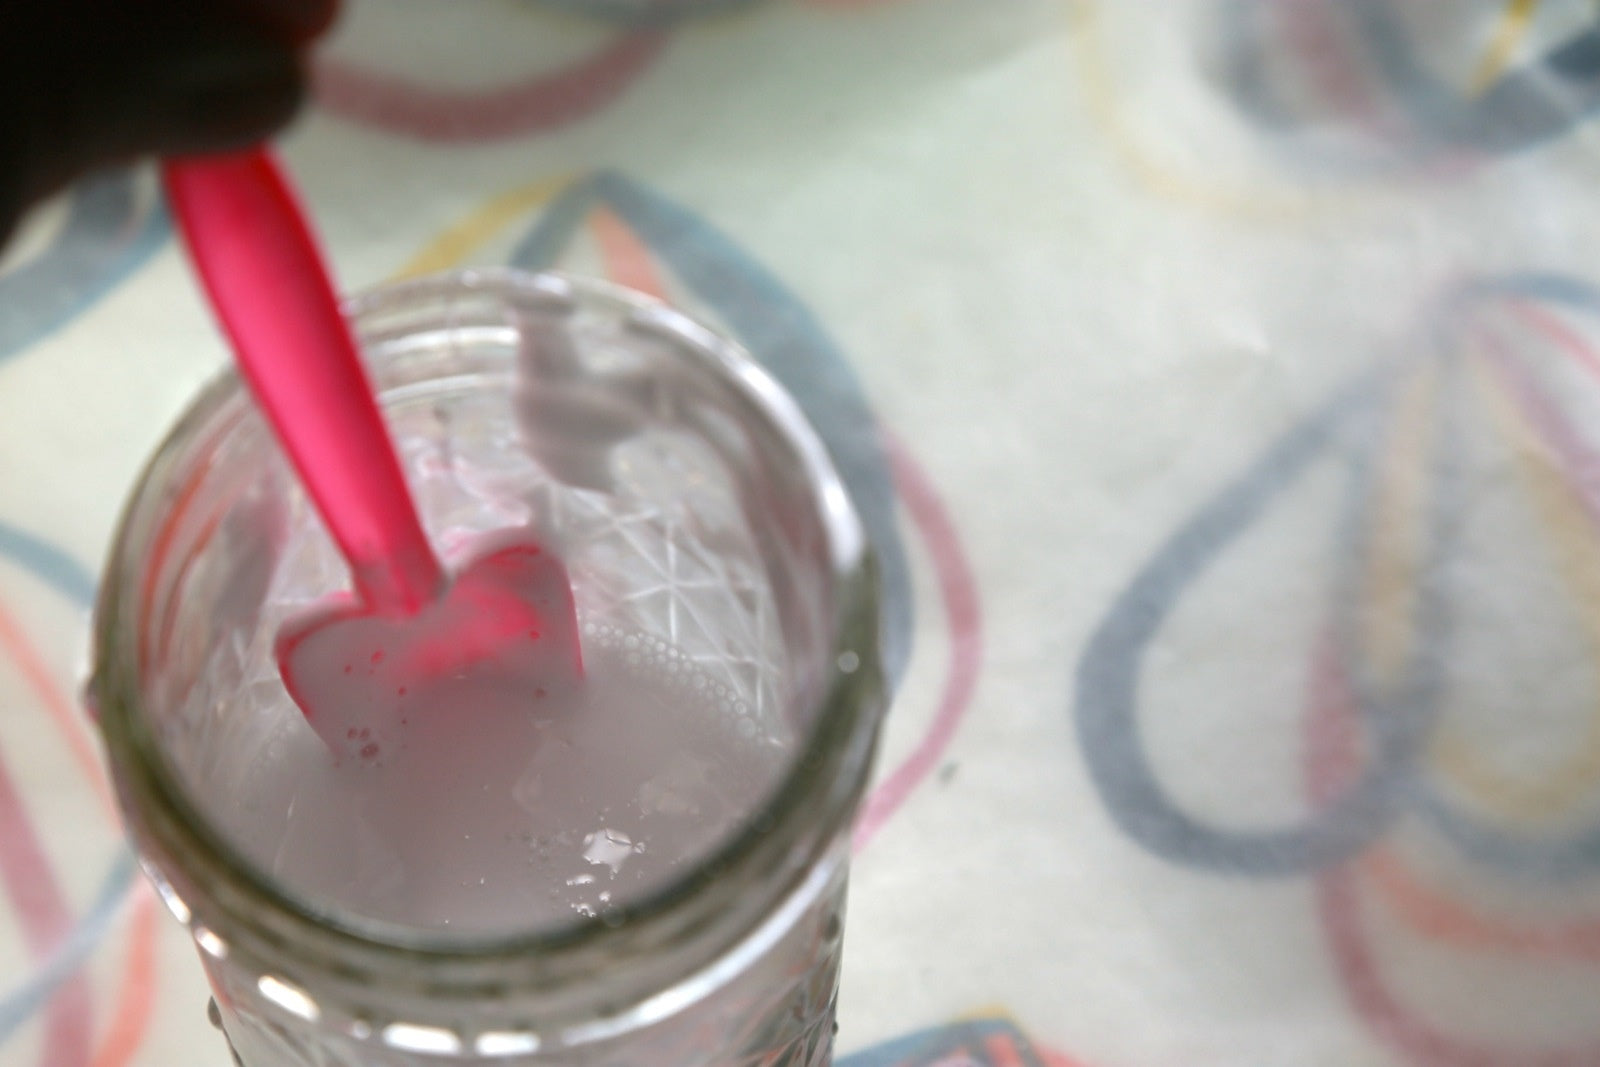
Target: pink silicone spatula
{"x": 358, "y": 666}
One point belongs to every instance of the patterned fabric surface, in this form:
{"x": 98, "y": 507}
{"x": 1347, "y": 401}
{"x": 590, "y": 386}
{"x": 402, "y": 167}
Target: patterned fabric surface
{"x": 1237, "y": 380}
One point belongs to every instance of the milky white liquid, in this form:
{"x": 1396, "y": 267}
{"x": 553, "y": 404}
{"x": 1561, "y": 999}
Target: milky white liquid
{"x": 499, "y": 805}
{"x": 506, "y": 805}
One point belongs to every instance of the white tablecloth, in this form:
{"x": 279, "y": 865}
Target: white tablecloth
{"x": 1236, "y": 363}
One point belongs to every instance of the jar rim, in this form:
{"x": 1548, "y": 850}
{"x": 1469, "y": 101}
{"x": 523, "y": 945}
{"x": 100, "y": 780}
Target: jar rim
{"x": 783, "y": 840}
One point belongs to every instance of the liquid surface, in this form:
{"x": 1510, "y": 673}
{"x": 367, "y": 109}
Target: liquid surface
{"x": 501, "y": 804}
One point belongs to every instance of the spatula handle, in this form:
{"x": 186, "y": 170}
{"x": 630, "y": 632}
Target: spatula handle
{"x": 257, "y": 259}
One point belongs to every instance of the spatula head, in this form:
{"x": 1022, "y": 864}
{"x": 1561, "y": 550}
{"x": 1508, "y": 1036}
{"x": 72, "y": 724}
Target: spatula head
{"x": 506, "y": 623}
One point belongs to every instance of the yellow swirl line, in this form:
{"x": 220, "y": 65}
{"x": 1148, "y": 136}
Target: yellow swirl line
{"x": 1256, "y": 204}
{"x": 1396, "y": 558}
{"x": 1157, "y": 178}
{"x": 1508, "y": 36}
{"x": 1577, "y": 553}
{"x": 459, "y": 241}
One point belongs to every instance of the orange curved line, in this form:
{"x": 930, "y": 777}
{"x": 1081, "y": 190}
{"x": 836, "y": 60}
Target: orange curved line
{"x": 1002, "y": 1052}
{"x": 136, "y": 1003}
{"x": 1440, "y": 917}
{"x": 627, "y": 261}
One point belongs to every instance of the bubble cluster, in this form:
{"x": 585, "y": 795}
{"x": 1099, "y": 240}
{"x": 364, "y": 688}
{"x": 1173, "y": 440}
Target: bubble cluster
{"x": 654, "y": 660}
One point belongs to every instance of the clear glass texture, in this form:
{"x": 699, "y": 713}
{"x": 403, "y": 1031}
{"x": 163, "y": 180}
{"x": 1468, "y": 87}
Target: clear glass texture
{"x": 708, "y": 539}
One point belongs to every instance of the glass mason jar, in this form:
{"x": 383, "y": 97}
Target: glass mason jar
{"x": 694, "y": 507}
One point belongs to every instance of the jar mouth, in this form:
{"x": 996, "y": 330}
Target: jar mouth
{"x": 787, "y": 836}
